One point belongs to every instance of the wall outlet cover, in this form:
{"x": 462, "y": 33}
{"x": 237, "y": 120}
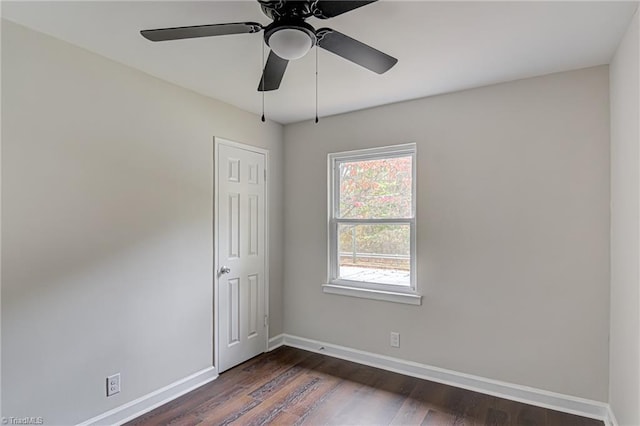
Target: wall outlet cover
{"x": 395, "y": 339}
{"x": 113, "y": 384}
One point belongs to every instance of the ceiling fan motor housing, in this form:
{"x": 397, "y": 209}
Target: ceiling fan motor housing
{"x": 277, "y": 9}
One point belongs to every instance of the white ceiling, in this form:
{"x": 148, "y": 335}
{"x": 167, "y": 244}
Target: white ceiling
{"x": 441, "y": 47}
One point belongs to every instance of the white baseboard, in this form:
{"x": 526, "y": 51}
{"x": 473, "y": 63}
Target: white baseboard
{"x": 276, "y": 342}
{"x": 528, "y": 395}
{"x": 148, "y": 402}
{"x": 611, "y": 418}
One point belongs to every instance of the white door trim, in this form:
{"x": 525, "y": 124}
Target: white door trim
{"x": 217, "y": 141}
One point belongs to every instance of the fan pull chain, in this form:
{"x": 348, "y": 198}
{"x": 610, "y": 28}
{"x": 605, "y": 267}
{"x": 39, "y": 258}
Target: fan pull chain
{"x": 317, "y": 83}
{"x": 262, "y": 79}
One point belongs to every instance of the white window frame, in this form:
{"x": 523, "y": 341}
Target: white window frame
{"x": 394, "y": 293}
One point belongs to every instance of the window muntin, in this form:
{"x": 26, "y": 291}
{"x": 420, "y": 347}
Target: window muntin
{"x": 372, "y": 219}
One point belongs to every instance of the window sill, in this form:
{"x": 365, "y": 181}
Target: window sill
{"x": 364, "y": 293}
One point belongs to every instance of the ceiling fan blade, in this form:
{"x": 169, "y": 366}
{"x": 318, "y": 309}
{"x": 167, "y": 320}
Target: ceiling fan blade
{"x": 355, "y": 51}
{"x": 273, "y": 73}
{"x": 325, "y": 9}
{"x": 163, "y": 34}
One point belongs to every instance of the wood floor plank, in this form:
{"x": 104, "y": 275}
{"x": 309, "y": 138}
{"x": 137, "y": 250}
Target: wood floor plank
{"x": 312, "y": 397}
{"x": 378, "y": 402}
{"x": 496, "y": 417}
{"x": 290, "y": 386}
{"x": 255, "y": 377}
{"x": 282, "y": 418}
{"x": 425, "y": 396}
{"x": 565, "y": 419}
{"x": 338, "y": 398}
{"x": 179, "y": 407}
{"x": 468, "y": 408}
{"x": 439, "y": 418}
{"x": 278, "y": 402}
{"x": 331, "y": 372}
{"x": 341, "y": 396}
{"x": 414, "y": 408}
{"x": 188, "y": 420}
{"x": 174, "y": 411}
{"x": 230, "y": 412}
{"x": 259, "y": 372}
{"x": 277, "y": 383}
{"x": 502, "y": 412}
{"x": 529, "y": 415}
{"x": 218, "y": 399}
{"x": 247, "y": 377}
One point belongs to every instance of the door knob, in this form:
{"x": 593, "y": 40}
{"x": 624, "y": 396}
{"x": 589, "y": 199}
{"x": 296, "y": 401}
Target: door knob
{"x": 224, "y": 270}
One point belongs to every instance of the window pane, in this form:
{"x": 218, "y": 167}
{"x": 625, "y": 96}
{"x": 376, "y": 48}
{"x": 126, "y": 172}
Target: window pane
{"x": 375, "y": 189}
{"x": 377, "y": 253}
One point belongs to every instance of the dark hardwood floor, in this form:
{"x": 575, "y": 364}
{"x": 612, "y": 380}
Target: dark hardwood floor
{"x": 294, "y": 387}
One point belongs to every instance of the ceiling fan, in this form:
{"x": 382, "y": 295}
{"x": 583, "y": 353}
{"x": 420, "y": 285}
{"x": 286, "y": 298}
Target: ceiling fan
{"x": 290, "y": 37}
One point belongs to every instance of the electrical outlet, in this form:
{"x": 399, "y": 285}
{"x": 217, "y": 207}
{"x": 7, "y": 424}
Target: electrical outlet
{"x": 113, "y": 384}
{"x": 395, "y": 339}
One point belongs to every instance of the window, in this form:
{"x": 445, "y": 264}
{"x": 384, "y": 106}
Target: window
{"x": 372, "y": 224}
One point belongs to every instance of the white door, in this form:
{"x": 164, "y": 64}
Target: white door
{"x": 241, "y": 281}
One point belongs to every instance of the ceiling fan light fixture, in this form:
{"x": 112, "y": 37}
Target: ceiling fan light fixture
{"x": 290, "y": 43}
{"x": 290, "y": 37}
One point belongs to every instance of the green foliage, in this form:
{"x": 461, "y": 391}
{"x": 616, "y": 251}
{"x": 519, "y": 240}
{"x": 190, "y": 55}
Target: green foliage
{"x": 377, "y": 239}
{"x": 375, "y": 189}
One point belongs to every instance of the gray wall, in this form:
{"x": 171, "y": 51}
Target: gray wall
{"x": 625, "y": 232}
{"x": 107, "y": 185}
{"x": 512, "y": 232}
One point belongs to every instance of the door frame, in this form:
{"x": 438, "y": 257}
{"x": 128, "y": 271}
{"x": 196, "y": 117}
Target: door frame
{"x": 217, "y": 141}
